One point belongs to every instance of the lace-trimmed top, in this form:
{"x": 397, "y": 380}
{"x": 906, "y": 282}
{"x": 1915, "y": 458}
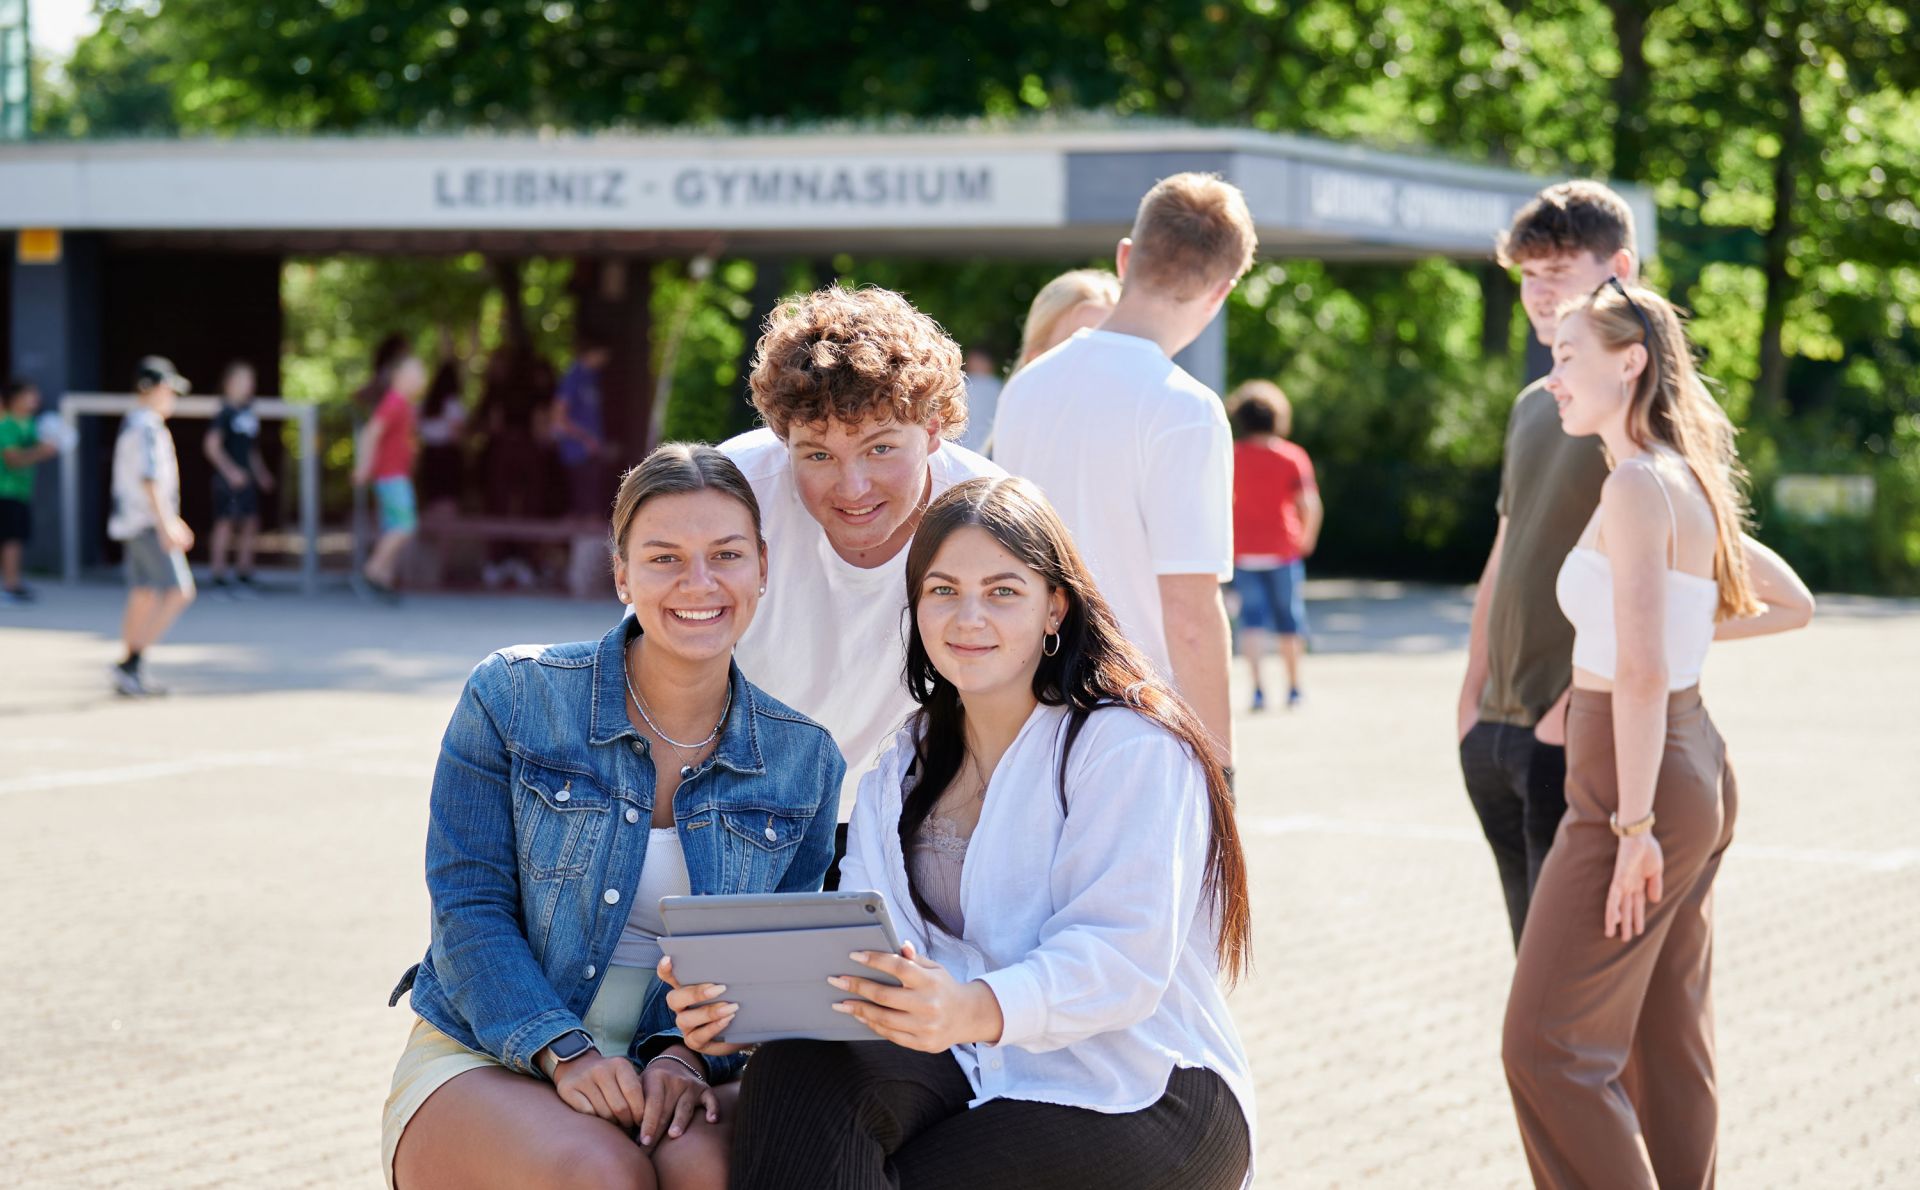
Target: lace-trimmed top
{"x": 939, "y": 853}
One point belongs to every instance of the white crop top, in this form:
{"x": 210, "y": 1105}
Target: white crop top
{"x": 1585, "y": 592}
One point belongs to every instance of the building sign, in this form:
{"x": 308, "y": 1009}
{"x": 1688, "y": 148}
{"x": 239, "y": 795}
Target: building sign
{"x": 568, "y": 189}
{"x": 1405, "y": 209}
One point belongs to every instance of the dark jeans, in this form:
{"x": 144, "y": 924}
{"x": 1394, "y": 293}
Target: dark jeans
{"x": 871, "y": 1115}
{"x": 1518, "y": 787}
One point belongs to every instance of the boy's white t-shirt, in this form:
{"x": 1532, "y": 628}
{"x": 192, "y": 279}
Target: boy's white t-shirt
{"x": 830, "y": 638}
{"x": 1136, "y": 456}
{"x": 143, "y": 451}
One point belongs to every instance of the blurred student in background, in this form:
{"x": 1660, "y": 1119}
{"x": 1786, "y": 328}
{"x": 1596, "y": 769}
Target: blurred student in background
{"x": 1276, "y": 524}
{"x": 1077, "y": 300}
{"x": 983, "y": 397}
{"x": 442, "y": 432}
{"x": 146, "y": 521}
{"x": 21, "y": 449}
{"x": 388, "y": 448}
{"x": 239, "y": 477}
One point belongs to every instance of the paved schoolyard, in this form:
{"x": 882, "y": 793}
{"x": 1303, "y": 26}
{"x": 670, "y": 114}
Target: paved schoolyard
{"x": 208, "y": 897}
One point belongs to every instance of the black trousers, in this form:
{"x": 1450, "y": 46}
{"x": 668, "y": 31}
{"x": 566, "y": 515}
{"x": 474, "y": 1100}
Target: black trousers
{"x": 870, "y": 1114}
{"x": 1518, "y": 787}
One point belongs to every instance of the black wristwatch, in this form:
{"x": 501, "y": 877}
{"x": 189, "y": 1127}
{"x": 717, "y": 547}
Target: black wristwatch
{"x": 565, "y": 1048}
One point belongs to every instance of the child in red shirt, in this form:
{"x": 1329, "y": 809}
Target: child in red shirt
{"x": 1276, "y": 523}
{"x": 386, "y": 455}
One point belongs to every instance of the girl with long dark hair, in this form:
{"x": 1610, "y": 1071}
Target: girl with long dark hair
{"x": 1056, "y": 842}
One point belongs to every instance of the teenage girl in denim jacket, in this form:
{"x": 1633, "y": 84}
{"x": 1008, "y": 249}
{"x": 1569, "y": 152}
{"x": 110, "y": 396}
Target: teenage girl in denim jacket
{"x": 577, "y": 785}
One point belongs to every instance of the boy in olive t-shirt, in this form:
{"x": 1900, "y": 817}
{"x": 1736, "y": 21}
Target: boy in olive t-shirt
{"x": 1566, "y": 242}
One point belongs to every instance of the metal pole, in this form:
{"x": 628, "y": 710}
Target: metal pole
{"x": 310, "y": 498}
{"x": 70, "y": 497}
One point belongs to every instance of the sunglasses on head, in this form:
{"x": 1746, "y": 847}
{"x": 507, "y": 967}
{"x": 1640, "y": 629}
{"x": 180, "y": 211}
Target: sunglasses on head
{"x": 1646, "y": 324}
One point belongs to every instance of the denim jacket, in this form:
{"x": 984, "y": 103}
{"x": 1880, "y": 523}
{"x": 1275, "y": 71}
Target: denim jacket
{"x": 537, "y": 831}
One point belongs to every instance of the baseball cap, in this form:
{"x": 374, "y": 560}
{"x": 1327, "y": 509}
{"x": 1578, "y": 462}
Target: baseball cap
{"x": 158, "y": 369}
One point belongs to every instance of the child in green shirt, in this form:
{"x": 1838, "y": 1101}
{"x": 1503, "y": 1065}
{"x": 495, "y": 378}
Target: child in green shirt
{"x": 20, "y": 451}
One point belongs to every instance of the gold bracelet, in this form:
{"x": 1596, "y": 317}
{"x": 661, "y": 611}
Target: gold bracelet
{"x": 1627, "y": 832}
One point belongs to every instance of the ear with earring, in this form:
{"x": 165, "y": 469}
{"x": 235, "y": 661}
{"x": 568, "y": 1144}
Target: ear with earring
{"x": 1050, "y": 643}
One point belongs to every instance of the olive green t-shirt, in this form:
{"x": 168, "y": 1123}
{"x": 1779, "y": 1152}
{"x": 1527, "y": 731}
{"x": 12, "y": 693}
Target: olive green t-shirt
{"x": 1549, "y": 487}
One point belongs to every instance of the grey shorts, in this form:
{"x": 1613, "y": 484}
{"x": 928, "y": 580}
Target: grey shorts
{"x": 150, "y": 564}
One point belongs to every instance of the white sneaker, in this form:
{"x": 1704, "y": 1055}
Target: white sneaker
{"x": 126, "y": 684}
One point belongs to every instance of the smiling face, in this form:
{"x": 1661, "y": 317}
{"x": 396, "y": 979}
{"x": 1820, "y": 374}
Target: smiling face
{"x": 864, "y": 483}
{"x": 1590, "y": 383}
{"x": 983, "y": 614}
{"x": 692, "y": 568}
{"x": 1548, "y": 282}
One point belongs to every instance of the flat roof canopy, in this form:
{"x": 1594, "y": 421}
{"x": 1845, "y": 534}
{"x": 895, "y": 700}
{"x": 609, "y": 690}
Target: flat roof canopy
{"x": 1039, "y": 193}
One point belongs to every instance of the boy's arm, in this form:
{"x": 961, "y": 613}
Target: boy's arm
{"x": 1312, "y": 514}
{"x": 217, "y": 455}
{"x": 27, "y": 456}
{"x": 262, "y": 478}
{"x": 369, "y": 447}
{"x": 173, "y": 531}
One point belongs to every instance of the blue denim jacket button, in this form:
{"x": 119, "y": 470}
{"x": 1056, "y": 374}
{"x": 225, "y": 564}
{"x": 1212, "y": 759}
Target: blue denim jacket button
{"x": 611, "y": 896}
{"x": 591, "y": 971}
{"x": 771, "y": 835}
{"x": 562, "y": 796}
{"x": 633, "y": 815}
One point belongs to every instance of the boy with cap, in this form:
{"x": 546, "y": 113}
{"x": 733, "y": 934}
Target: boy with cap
{"x": 146, "y": 519}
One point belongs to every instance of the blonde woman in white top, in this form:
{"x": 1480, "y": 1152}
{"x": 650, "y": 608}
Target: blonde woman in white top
{"x": 1609, "y": 1028}
{"x": 1056, "y": 843}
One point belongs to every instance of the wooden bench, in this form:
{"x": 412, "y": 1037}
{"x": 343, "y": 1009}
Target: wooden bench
{"x": 585, "y": 539}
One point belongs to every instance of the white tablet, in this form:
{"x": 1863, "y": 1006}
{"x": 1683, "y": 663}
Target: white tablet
{"x": 774, "y": 951}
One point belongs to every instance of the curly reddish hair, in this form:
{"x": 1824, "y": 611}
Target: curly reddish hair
{"x": 844, "y": 355}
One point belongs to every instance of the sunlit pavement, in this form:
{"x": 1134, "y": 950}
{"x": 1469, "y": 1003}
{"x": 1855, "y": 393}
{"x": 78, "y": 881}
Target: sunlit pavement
{"x": 210, "y": 895}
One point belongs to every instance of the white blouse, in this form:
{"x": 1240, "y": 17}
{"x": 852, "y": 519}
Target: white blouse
{"x": 1091, "y": 926}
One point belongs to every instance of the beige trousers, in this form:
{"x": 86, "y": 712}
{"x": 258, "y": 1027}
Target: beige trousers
{"x": 1609, "y": 1045}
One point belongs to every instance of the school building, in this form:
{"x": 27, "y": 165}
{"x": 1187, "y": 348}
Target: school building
{"x": 175, "y": 247}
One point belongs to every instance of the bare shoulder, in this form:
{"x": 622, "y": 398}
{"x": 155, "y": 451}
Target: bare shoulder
{"x": 1632, "y": 504}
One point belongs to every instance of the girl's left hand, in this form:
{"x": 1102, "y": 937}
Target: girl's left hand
{"x": 930, "y": 1011}
{"x": 674, "y": 1094}
{"x": 1637, "y": 868}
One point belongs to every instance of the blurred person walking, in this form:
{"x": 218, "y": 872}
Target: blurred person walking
{"x": 1134, "y": 452}
{"x": 1277, "y": 515}
{"x": 388, "y": 447}
{"x": 983, "y": 399}
{"x": 1512, "y": 709}
{"x": 1608, "y": 1042}
{"x": 21, "y": 450}
{"x": 579, "y": 431}
{"x": 442, "y": 429}
{"x": 240, "y": 475}
{"x": 146, "y": 521}
{"x": 1073, "y": 301}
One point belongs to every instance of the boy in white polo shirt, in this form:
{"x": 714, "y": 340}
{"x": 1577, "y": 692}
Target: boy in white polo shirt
{"x": 862, "y": 396}
{"x": 1136, "y": 454}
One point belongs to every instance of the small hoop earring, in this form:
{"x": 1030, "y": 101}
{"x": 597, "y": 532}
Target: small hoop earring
{"x": 1055, "y": 638}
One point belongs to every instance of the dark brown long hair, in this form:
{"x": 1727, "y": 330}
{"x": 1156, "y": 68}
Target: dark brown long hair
{"x": 1095, "y": 667}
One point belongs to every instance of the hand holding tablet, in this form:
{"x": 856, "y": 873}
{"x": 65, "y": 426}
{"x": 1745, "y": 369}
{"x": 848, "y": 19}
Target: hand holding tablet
{"x": 771, "y": 957}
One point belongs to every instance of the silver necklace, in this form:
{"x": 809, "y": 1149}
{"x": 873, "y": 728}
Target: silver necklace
{"x": 686, "y": 770}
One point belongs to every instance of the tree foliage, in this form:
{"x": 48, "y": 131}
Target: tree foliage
{"x": 1782, "y": 138}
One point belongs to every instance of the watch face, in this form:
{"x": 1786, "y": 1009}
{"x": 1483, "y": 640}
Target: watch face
{"x": 571, "y": 1045}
